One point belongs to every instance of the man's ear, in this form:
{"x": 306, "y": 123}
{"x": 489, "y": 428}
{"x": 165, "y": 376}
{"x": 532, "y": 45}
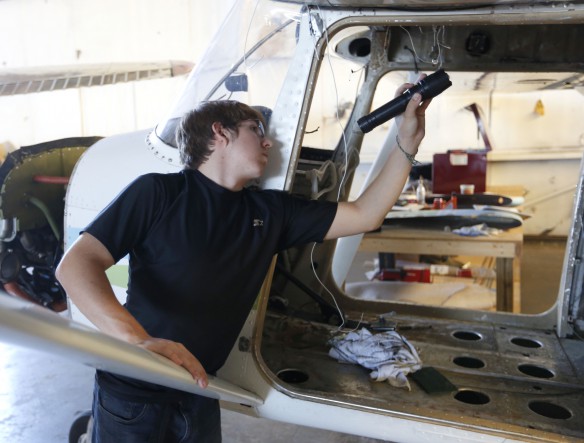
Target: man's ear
{"x": 219, "y": 131}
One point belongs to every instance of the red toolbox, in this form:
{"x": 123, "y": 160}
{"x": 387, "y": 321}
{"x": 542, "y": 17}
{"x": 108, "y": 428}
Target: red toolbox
{"x": 454, "y": 168}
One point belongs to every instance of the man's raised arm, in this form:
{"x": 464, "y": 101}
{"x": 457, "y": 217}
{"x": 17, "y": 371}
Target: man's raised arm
{"x": 368, "y": 211}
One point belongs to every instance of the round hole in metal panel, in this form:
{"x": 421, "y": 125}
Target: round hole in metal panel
{"x": 472, "y": 397}
{"x": 535, "y": 371}
{"x": 526, "y": 342}
{"x": 467, "y": 335}
{"x": 550, "y": 410}
{"x": 360, "y": 47}
{"x": 292, "y": 376}
{"x": 469, "y": 362}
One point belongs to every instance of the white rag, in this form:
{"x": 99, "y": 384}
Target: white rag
{"x": 390, "y": 356}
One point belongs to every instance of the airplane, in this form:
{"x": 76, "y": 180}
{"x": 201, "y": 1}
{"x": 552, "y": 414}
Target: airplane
{"x": 512, "y": 377}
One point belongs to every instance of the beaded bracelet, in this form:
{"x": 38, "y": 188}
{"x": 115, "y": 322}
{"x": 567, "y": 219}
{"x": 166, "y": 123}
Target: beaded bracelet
{"x": 411, "y": 158}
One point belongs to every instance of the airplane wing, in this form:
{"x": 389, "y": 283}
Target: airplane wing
{"x": 53, "y": 78}
{"x": 26, "y": 324}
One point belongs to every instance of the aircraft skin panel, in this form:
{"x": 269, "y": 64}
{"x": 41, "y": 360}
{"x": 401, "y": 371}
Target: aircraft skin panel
{"x": 287, "y": 114}
{"x": 109, "y": 166}
{"x": 405, "y": 429}
{"x": 27, "y": 324}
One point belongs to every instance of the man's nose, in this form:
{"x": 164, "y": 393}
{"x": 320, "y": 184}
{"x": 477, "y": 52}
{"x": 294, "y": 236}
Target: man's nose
{"x": 267, "y": 142}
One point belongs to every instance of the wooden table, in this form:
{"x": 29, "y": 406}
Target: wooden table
{"x": 505, "y": 247}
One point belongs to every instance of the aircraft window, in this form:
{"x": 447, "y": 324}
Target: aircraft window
{"x": 528, "y": 121}
{"x": 535, "y": 136}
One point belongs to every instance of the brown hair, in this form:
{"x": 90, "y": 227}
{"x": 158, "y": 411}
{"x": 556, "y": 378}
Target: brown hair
{"x": 194, "y": 134}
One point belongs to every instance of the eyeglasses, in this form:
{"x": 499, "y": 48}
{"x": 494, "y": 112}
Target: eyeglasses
{"x": 259, "y": 130}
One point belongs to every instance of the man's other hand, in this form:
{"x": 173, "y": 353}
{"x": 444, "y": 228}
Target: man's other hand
{"x": 178, "y": 354}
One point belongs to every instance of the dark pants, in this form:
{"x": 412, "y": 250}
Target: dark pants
{"x": 192, "y": 419}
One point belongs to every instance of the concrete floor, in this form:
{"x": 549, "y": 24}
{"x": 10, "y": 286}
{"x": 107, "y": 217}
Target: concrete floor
{"x": 40, "y": 394}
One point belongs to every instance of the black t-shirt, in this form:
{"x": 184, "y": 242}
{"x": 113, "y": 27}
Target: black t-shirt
{"x": 199, "y": 253}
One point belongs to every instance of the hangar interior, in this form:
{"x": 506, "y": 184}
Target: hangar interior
{"x": 523, "y": 128}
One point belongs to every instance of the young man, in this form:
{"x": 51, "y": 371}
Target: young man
{"x": 200, "y": 245}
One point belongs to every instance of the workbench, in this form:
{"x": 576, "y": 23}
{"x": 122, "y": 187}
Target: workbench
{"x": 506, "y": 248}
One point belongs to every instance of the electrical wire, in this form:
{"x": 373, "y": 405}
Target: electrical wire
{"x": 345, "y": 166}
{"x": 577, "y": 335}
{"x": 438, "y": 45}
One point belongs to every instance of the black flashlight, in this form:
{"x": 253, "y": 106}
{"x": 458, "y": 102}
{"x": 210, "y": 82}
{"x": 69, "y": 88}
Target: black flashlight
{"x": 428, "y": 87}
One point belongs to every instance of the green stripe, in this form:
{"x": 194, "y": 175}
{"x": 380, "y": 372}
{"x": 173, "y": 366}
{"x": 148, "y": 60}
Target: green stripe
{"x": 118, "y": 275}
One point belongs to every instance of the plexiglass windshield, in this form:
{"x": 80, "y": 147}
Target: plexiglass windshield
{"x": 246, "y": 61}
